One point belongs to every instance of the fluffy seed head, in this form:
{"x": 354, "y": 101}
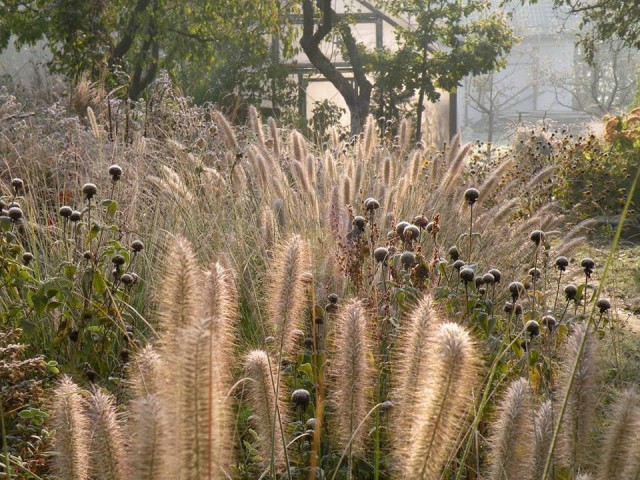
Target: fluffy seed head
{"x": 537, "y": 237}
{"x": 301, "y": 398}
{"x": 15, "y": 213}
{"x": 381, "y": 254}
{"x": 467, "y": 275}
{"x": 400, "y": 227}
{"x": 137, "y": 246}
{"x": 497, "y": 275}
{"x": 17, "y": 184}
{"x": 603, "y": 305}
{"x": 116, "y": 172}
{"x": 107, "y": 439}
{"x": 65, "y": 212}
{"x": 89, "y": 190}
{"x": 516, "y": 289}
{"x": 371, "y": 204}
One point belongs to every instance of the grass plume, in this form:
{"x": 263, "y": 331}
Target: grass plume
{"x": 107, "y": 440}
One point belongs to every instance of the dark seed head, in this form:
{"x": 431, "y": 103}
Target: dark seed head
{"x": 603, "y": 305}
{"x": 412, "y": 232}
{"x": 137, "y": 246}
{"x": 458, "y": 264}
{"x": 537, "y": 237}
{"x": 518, "y": 310}
{"x": 471, "y": 195}
{"x": 407, "y": 259}
{"x": 549, "y": 322}
{"x": 533, "y": 328}
{"x": 467, "y": 275}
{"x": 127, "y": 279}
{"x": 359, "y": 222}
{"x": 311, "y": 424}
{"x": 15, "y": 213}
{"x": 118, "y": 260}
{"x": 562, "y": 263}
{"x": 333, "y": 298}
{"x": 516, "y": 289}
{"x": 454, "y": 253}
{"x": 89, "y": 190}
{"x": 488, "y": 278}
{"x": 400, "y": 227}
{"x": 26, "y": 258}
{"x": 301, "y": 398}
{"x": 371, "y": 204}
{"x": 535, "y": 273}
{"x": 570, "y": 292}
{"x": 479, "y": 281}
{"x": 420, "y": 221}
{"x": 497, "y": 275}
{"x": 17, "y": 184}
{"x": 588, "y": 265}
{"x": 75, "y": 216}
{"x": 331, "y": 308}
{"x": 65, "y": 211}
{"x": 508, "y": 307}
{"x": 381, "y": 254}
{"x": 87, "y": 255}
{"x": 116, "y": 172}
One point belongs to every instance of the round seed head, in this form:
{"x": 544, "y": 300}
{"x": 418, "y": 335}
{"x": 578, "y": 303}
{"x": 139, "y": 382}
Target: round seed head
{"x": 89, "y": 190}
{"x": 482, "y": 291}
{"x": 386, "y": 405}
{"x": 508, "y": 307}
{"x": 454, "y": 253}
{"x": 570, "y": 292}
{"x": 137, "y": 246}
{"x": 127, "y": 279}
{"x": 311, "y": 424}
{"x": 14, "y": 204}
{"x": 549, "y": 322}
{"x": 331, "y": 308}
{"x": 269, "y": 340}
{"x": 308, "y": 343}
{"x": 381, "y": 254}
{"x": 479, "y": 281}
{"x": 467, "y": 275}
{"x": 15, "y": 213}
{"x": 116, "y": 172}
{"x": 430, "y": 227}
{"x": 412, "y": 232}
{"x": 516, "y": 289}
{"x": 371, "y": 204}
{"x": 420, "y": 221}
{"x": 135, "y": 277}
{"x": 65, "y": 211}
{"x": 400, "y": 227}
{"x": 26, "y": 258}
{"x": 407, "y": 259}
{"x": 359, "y": 222}
{"x": 301, "y": 398}
{"x": 488, "y": 278}
{"x": 588, "y": 265}
{"x": 535, "y": 273}
{"x": 87, "y": 255}
{"x": 537, "y": 237}
{"x": 518, "y": 309}
{"x": 118, "y": 260}
{"x": 333, "y": 298}
{"x": 75, "y": 216}
{"x": 533, "y": 328}
{"x": 562, "y": 263}
{"x": 497, "y": 275}
{"x": 17, "y": 184}
{"x": 458, "y": 264}
{"x": 603, "y": 305}
{"x": 471, "y": 195}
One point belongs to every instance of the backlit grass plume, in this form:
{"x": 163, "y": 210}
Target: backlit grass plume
{"x": 512, "y": 441}
{"x": 351, "y": 375}
{"x": 151, "y": 444}
{"x": 575, "y": 434}
{"x": 266, "y": 407}
{"x": 219, "y": 304}
{"x": 622, "y": 440}
{"x": 107, "y": 440}
{"x": 178, "y": 294}
{"x": 145, "y": 373}
{"x": 286, "y": 290}
{"x": 71, "y": 444}
{"x": 543, "y": 433}
{"x": 413, "y": 354}
{"x": 442, "y": 401}
{"x": 200, "y": 393}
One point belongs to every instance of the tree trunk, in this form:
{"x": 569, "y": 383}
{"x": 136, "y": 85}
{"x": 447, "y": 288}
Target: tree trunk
{"x": 356, "y": 97}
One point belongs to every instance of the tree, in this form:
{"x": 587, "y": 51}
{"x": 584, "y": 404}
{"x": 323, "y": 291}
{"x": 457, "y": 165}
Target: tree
{"x": 448, "y": 41}
{"x": 603, "y": 20}
{"x": 114, "y": 40}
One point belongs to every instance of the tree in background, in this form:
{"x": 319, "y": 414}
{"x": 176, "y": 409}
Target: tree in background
{"x": 446, "y": 42}
{"x": 208, "y": 47}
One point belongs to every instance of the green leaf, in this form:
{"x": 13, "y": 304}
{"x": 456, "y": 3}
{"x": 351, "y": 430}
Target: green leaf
{"x": 307, "y": 370}
{"x": 6, "y": 224}
{"x": 99, "y": 283}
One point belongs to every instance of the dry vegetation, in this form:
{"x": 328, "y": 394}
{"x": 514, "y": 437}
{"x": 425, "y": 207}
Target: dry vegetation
{"x": 216, "y": 301}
